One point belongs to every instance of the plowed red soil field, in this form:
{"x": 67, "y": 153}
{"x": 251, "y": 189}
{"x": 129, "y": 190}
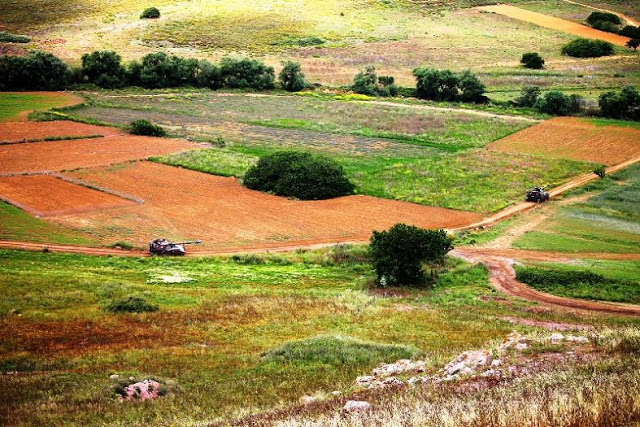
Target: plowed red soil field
{"x": 572, "y": 138}
{"x": 44, "y": 195}
{"x": 181, "y": 204}
{"x": 22, "y": 131}
{"x": 63, "y": 155}
{"x": 559, "y": 24}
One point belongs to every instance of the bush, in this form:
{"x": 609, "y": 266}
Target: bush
{"x": 7, "y": 37}
{"x": 158, "y": 70}
{"x": 554, "y": 102}
{"x": 398, "y": 254}
{"x": 300, "y": 175}
{"x": 576, "y": 103}
{"x": 246, "y": 73}
{"x": 607, "y": 26}
{"x": 35, "y": 71}
{"x": 603, "y": 17}
{"x": 631, "y": 32}
{"x": 104, "y": 69}
{"x": 367, "y": 82}
{"x": 528, "y": 96}
{"x": 532, "y": 60}
{"x": 444, "y": 85}
{"x": 150, "y": 13}
{"x": 291, "y": 77}
{"x": 633, "y": 44}
{"x": 131, "y": 305}
{"x": 208, "y": 75}
{"x": 622, "y": 105}
{"x": 600, "y": 170}
{"x": 144, "y": 127}
{"x": 583, "y": 48}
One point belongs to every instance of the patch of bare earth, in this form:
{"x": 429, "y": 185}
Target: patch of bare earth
{"x": 179, "y": 203}
{"x": 567, "y": 137}
{"x": 25, "y": 131}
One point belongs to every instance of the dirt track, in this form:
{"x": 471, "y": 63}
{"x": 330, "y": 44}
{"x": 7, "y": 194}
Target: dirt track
{"x": 559, "y": 24}
{"x": 503, "y": 278}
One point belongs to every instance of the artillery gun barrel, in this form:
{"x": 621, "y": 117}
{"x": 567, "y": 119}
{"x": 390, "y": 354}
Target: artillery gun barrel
{"x": 195, "y": 242}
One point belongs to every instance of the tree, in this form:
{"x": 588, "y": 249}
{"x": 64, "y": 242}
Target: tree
{"x": 367, "y": 82}
{"x": 300, "y": 175}
{"x": 397, "y": 254}
{"x": 35, "y": 71}
{"x": 603, "y": 16}
{"x": 150, "y": 13}
{"x": 532, "y": 60}
{"x": 630, "y": 31}
{"x": 104, "y": 69}
{"x": 622, "y": 105}
{"x": 291, "y": 77}
{"x": 144, "y": 127}
{"x": 159, "y": 70}
{"x": 528, "y": 96}
{"x": 208, "y": 75}
{"x": 445, "y": 85}
{"x": 554, "y": 102}
{"x": 633, "y": 44}
{"x": 471, "y": 88}
{"x": 246, "y": 73}
{"x": 583, "y": 48}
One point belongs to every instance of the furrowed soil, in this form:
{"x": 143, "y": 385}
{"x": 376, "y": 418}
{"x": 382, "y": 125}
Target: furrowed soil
{"x": 566, "y": 137}
{"x": 44, "y": 195}
{"x": 181, "y": 204}
{"x": 559, "y": 24}
{"x": 64, "y": 155}
{"x": 25, "y": 131}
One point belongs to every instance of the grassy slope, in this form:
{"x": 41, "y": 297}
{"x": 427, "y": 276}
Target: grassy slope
{"x": 12, "y": 104}
{"x": 212, "y": 329}
{"x": 607, "y": 222}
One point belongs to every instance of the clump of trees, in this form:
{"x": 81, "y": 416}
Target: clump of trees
{"x": 297, "y": 174}
{"x": 398, "y": 254}
{"x": 104, "y": 69}
{"x": 144, "y": 127}
{"x": 34, "y": 71}
{"x": 630, "y": 31}
{"x": 367, "y": 82}
{"x": 604, "y": 21}
{"x": 532, "y": 60}
{"x": 246, "y": 73}
{"x": 584, "y": 48}
{"x": 620, "y": 105}
{"x": 445, "y": 85}
{"x": 150, "y": 13}
{"x": 553, "y": 102}
{"x": 291, "y": 77}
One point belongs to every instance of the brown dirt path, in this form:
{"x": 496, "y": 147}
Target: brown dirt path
{"x": 503, "y": 277}
{"x": 558, "y": 24}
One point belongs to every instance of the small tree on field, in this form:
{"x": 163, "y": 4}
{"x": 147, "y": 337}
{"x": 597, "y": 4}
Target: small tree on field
{"x": 528, "y": 96}
{"x": 367, "y": 82}
{"x": 554, "y": 102}
{"x": 150, "y": 13}
{"x": 144, "y": 127}
{"x": 398, "y": 253}
{"x": 532, "y": 60}
{"x": 584, "y": 48}
{"x": 633, "y": 44}
{"x": 291, "y": 77}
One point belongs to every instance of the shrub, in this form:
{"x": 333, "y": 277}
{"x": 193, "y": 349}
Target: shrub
{"x": 607, "y": 26}
{"x": 631, "y": 32}
{"x": 600, "y": 171}
{"x": 208, "y": 75}
{"x": 104, "y": 69}
{"x": 144, "y": 127}
{"x": 131, "y": 305}
{"x": 397, "y": 254}
{"x": 35, "y": 71}
{"x": 532, "y": 60}
{"x": 444, "y": 85}
{"x": 528, "y": 96}
{"x": 150, "y": 13}
{"x": 603, "y": 17}
{"x": 300, "y": 175}
{"x": 583, "y": 48}
{"x": 576, "y": 103}
{"x": 246, "y": 73}
{"x": 7, "y": 37}
{"x": 366, "y": 82}
{"x": 633, "y": 44}
{"x": 291, "y": 77}
{"x": 622, "y": 105}
{"x": 554, "y": 102}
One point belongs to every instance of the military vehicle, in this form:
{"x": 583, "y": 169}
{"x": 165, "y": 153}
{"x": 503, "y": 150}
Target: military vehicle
{"x": 537, "y": 195}
{"x": 165, "y": 247}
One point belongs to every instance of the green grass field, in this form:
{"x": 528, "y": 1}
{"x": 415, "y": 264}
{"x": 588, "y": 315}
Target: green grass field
{"x": 11, "y": 104}
{"x": 607, "y": 222}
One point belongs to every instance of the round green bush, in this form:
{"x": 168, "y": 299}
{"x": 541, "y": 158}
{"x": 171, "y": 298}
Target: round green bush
{"x": 583, "y": 48}
{"x": 144, "y": 127}
{"x": 300, "y": 175}
{"x": 532, "y": 60}
{"x": 150, "y": 13}
{"x": 554, "y": 102}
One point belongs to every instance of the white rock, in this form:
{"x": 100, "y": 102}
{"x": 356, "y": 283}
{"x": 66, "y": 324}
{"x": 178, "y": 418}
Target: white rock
{"x": 521, "y": 346}
{"x": 356, "y": 406}
{"x": 491, "y": 373}
{"x": 336, "y": 393}
{"x": 556, "y": 338}
{"x": 577, "y": 339}
{"x": 496, "y": 363}
{"x": 305, "y": 400}
{"x": 114, "y": 376}
{"x": 364, "y": 380}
